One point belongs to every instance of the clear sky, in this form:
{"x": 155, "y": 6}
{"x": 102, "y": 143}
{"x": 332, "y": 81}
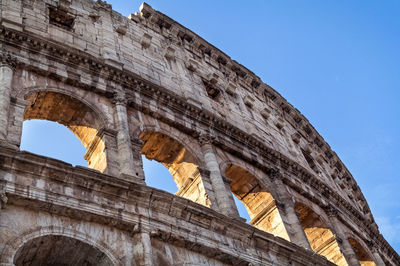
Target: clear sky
{"x": 335, "y": 61}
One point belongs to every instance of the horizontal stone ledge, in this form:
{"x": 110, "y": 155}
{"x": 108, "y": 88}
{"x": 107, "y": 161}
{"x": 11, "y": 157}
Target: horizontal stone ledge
{"x": 120, "y": 211}
{"x": 195, "y": 240}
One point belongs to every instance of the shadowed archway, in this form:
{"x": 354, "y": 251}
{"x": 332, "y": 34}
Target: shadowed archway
{"x": 320, "y": 237}
{"x": 362, "y": 255}
{"x": 77, "y": 116}
{"x": 59, "y": 250}
{"x": 258, "y": 201}
{"x": 182, "y": 165}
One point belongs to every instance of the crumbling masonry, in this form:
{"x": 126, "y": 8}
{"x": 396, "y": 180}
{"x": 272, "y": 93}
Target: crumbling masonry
{"x": 146, "y": 85}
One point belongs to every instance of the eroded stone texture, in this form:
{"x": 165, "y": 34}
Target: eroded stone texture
{"x": 147, "y": 85}
{"x": 362, "y": 256}
{"x": 180, "y": 163}
{"x": 169, "y": 255}
{"x": 257, "y": 200}
{"x": 320, "y": 237}
{"x": 59, "y": 250}
{"x": 75, "y": 115}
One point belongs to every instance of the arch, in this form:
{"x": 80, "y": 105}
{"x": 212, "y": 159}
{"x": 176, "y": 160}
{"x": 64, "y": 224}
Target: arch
{"x": 14, "y": 247}
{"x": 179, "y": 160}
{"x": 320, "y": 237}
{"x": 102, "y": 117}
{"x": 84, "y": 120}
{"x": 188, "y": 142}
{"x": 259, "y": 202}
{"x": 59, "y": 250}
{"x": 362, "y": 253}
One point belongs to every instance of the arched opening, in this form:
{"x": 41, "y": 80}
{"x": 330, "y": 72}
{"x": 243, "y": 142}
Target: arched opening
{"x": 320, "y": 237}
{"x": 60, "y": 250}
{"x": 259, "y": 203}
{"x": 41, "y": 136}
{"x": 158, "y": 176}
{"x": 243, "y": 213}
{"x": 180, "y": 163}
{"x": 362, "y": 255}
{"x": 76, "y": 116}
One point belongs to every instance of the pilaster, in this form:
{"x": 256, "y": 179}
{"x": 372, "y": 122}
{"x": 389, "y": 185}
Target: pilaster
{"x": 341, "y": 239}
{"x": 7, "y": 66}
{"x": 108, "y": 137}
{"x": 127, "y": 168}
{"x": 223, "y": 196}
{"x": 16, "y": 120}
{"x": 287, "y": 211}
{"x": 377, "y": 257}
{"x": 142, "y": 249}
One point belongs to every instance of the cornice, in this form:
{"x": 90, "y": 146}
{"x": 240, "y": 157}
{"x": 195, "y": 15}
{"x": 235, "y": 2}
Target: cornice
{"x": 133, "y": 82}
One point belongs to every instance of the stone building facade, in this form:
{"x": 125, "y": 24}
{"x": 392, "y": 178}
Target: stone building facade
{"x": 146, "y": 85}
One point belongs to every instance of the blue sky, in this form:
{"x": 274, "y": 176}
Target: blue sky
{"x": 335, "y": 61}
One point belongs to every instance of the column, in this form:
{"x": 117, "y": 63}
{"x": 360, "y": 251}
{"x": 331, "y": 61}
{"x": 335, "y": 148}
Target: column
{"x": 142, "y": 250}
{"x": 17, "y": 119}
{"x": 377, "y": 257}
{"x": 223, "y": 197}
{"x": 227, "y": 182}
{"x": 137, "y": 145}
{"x": 7, "y": 67}
{"x": 102, "y": 152}
{"x": 287, "y": 211}
{"x": 209, "y": 193}
{"x": 125, "y": 150}
{"x": 342, "y": 240}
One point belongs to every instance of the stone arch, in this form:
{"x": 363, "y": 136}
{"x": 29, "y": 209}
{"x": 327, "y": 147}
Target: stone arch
{"x": 319, "y": 235}
{"x": 102, "y": 116}
{"x": 188, "y": 142}
{"x": 362, "y": 252}
{"x": 82, "y": 118}
{"x": 14, "y": 247}
{"x": 256, "y": 197}
{"x": 181, "y": 161}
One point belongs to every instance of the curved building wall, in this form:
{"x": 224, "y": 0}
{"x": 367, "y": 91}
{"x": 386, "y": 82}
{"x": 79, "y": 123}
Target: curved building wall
{"x": 147, "y": 85}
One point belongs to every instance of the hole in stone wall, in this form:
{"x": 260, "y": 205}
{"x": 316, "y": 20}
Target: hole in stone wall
{"x": 361, "y": 253}
{"x": 242, "y": 209}
{"x": 158, "y": 176}
{"x": 180, "y": 163}
{"x": 61, "y": 18}
{"x": 258, "y": 202}
{"x": 211, "y": 90}
{"x": 53, "y": 140}
{"x": 320, "y": 237}
{"x": 310, "y": 160}
{"x": 76, "y": 116}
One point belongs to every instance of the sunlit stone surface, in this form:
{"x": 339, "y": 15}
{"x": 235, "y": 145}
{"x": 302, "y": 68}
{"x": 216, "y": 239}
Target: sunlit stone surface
{"x": 146, "y": 85}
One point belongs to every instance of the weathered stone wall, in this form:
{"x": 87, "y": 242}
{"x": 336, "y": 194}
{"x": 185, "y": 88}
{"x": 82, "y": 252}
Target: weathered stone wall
{"x": 147, "y": 85}
{"x": 49, "y": 197}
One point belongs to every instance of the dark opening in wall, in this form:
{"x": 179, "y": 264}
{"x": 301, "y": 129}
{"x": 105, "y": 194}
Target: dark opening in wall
{"x": 61, "y": 18}
{"x": 310, "y": 160}
{"x": 211, "y": 90}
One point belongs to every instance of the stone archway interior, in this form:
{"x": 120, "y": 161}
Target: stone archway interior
{"x": 320, "y": 237}
{"x": 76, "y": 116}
{"x": 180, "y": 163}
{"x": 58, "y": 250}
{"x": 258, "y": 201}
{"x": 362, "y": 255}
